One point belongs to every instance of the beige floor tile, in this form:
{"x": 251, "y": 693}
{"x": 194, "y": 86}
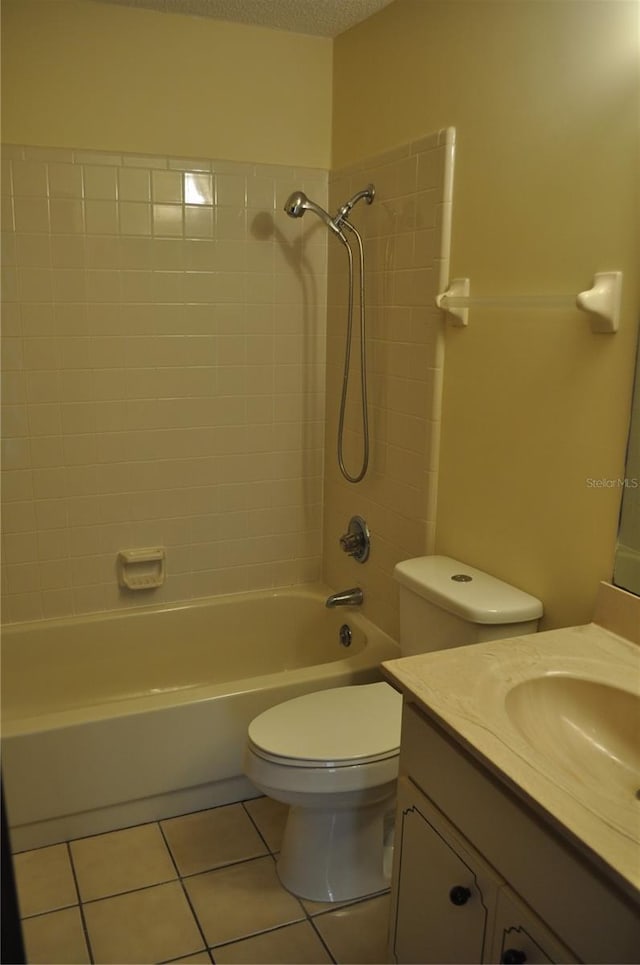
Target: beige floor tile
{"x": 44, "y": 880}
{"x": 270, "y": 818}
{"x": 292, "y": 945}
{"x": 240, "y": 900}
{"x": 357, "y": 933}
{"x": 152, "y": 925}
{"x": 55, "y": 938}
{"x": 210, "y": 839}
{"x": 109, "y": 864}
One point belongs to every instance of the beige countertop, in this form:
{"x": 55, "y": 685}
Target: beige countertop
{"x": 568, "y": 746}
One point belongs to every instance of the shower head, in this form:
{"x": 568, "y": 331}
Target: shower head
{"x": 367, "y": 194}
{"x": 296, "y": 205}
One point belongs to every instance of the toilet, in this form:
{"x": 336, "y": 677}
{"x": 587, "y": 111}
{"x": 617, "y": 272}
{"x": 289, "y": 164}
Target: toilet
{"x": 332, "y": 755}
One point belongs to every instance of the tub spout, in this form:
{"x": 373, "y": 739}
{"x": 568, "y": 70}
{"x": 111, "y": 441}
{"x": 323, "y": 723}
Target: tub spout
{"x": 352, "y": 597}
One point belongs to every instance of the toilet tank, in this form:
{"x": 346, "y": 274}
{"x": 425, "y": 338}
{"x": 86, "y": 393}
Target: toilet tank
{"x": 445, "y": 603}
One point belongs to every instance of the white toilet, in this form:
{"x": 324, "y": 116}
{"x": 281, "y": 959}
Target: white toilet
{"x": 332, "y": 755}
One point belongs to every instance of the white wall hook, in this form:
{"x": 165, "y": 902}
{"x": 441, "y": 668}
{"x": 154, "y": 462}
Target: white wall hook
{"x": 458, "y": 288}
{"x": 602, "y": 301}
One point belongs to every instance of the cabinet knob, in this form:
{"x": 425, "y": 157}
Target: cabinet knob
{"x": 513, "y": 956}
{"x": 459, "y": 895}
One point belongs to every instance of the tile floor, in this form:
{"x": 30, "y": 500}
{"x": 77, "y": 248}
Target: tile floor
{"x": 197, "y": 888}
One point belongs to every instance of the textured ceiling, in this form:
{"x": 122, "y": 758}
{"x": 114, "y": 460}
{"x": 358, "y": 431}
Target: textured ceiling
{"x": 327, "y": 18}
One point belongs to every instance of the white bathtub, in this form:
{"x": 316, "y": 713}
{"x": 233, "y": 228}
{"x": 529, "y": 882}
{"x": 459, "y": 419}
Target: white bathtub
{"x": 115, "y": 719}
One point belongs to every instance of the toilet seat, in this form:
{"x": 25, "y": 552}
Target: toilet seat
{"x": 340, "y": 727}
{"x": 319, "y": 765}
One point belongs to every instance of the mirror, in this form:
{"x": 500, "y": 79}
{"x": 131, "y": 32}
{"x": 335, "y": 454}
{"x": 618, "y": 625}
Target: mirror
{"x": 626, "y": 571}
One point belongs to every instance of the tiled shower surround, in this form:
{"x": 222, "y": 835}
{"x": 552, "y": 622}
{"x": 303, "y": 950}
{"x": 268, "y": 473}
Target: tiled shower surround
{"x": 163, "y": 377}
{"x": 406, "y": 233}
{"x": 165, "y": 328}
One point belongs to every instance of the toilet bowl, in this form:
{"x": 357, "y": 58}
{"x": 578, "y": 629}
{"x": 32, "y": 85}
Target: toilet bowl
{"x": 333, "y": 755}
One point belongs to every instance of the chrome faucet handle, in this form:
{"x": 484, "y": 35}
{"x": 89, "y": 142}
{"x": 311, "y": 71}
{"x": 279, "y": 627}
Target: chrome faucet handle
{"x": 351, "y": 543}
{"x": 355, "y": 542}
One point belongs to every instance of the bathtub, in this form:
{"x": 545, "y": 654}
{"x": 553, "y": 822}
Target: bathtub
{"x": 119, "y": 718}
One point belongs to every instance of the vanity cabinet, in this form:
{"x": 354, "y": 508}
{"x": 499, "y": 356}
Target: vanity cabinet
{"x": 450, "y": 905}
{"x": 479, "y": 877}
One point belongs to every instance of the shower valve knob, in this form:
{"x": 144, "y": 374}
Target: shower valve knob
{"x": 355, "y": 542}
{"x": 350, "y": 543}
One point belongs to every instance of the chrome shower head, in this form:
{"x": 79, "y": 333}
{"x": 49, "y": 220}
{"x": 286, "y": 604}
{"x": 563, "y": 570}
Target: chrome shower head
{"x": 296, "y": 205}
{"x": 367, "y": 194}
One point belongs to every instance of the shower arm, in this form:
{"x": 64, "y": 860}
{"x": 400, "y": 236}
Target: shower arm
{"x": 367, "y": 194}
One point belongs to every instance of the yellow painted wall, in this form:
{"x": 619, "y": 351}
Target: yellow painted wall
{"x": 544, "y": 96}
{"x": 545, "y": 99}
{"x": 76, "y": 73}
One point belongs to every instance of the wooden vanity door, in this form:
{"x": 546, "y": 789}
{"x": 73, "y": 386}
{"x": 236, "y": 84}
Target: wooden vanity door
{"x": 443, "y": 912}
{"x": 520, "y": 936}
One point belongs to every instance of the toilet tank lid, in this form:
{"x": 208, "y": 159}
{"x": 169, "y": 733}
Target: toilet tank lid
{"x": 480, "y": 599}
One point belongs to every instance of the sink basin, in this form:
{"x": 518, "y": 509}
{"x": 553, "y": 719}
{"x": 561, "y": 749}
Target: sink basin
{"x": 556, "y": 716}
{"x": 588, "y": 728}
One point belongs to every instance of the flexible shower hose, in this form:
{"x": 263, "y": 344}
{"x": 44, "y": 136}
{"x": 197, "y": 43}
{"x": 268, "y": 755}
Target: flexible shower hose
{"x": 363, "y": 365}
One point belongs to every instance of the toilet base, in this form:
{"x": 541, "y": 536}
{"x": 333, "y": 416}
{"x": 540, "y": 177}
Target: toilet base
{"x": 337, "y": 854}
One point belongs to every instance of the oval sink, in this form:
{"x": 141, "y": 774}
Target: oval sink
{"x": 591, "y": 729}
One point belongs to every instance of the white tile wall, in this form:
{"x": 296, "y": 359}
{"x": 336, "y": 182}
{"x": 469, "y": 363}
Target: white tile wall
{"x": 163, "y": 376}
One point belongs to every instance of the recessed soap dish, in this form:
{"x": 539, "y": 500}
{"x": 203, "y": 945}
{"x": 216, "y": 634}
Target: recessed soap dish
{"x": 141, "y": 569}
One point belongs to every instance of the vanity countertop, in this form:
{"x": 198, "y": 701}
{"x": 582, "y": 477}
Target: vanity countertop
{"x": 556, "y": 717}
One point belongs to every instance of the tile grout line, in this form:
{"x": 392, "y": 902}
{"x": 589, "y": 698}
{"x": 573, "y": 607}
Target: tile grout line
{"x": 85, "y": 929}
{"x": 255, "y": 824}
{"x": 323, "y": 942}
{"x": 181, "y": 958}
{"x": 269, "y": 931}
{"x": 184, "y": 891}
